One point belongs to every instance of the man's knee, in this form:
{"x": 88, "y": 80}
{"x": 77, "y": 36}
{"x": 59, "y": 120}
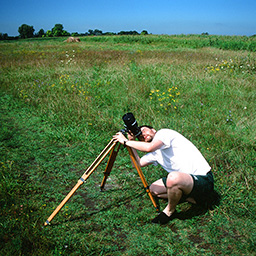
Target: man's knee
{"x": 173, "y": 179}
{"x": 157, "y": 188}
{"x": 182, "y": 181}
{"x": 153, "y": 190}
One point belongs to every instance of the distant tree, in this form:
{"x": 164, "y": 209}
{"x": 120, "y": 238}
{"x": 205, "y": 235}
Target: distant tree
{"x": 128, "y": 33}
{"x": 26, "y": 31}
{"x": 144, "y": 32}
{"x": 205, "y": 34}
{"x": 74, "y": 34}
{"x": 40, "y": 33}
{"x": 95, "y": 32}
{"x": 57, "y": 30}
{"x": 3, "y": 36}
{"x": 48, "y": 33}
{"x": 65, "y": 33}
{"x": 109, "y": 34}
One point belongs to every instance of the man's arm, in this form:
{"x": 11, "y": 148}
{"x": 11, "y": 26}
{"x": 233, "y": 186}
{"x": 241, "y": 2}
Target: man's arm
{"x": 138, "y": 159}
{"x": 139, "y": 145}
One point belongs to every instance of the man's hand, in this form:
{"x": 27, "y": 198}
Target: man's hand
{"x": 131, "y": 136}
{"x": 119, "y": 137}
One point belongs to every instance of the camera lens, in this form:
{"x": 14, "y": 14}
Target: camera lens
{"x": 131, "y": 124}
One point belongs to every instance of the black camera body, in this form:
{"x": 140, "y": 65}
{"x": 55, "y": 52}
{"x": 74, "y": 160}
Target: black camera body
{"x": 131, "y": 124}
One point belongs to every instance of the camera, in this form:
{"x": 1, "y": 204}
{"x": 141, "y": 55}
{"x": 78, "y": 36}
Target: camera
{"x": 131, "y": 124}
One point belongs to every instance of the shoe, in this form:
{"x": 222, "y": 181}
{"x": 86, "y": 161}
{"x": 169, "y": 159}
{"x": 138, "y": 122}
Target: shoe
{"x": 162, "y": 218}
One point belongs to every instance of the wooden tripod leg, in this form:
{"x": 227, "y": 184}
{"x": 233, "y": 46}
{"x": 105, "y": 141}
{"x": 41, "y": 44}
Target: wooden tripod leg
{"x": 145, "y": 184}
{"x": 85, "y": 176}
{"x": 109, "y": 166}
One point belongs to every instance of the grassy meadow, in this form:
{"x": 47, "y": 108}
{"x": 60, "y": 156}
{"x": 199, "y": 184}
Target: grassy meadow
{"x": 61, "y": 103}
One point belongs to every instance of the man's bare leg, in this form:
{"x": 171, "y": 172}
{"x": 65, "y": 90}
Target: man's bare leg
{"x": 158, "y": 189}
{"x": 177, "y": 184}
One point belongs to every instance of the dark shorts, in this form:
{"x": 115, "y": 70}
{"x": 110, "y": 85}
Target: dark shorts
{"x": 202, "y": 189}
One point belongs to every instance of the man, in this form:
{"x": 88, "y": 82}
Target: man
{"x": 190, "y": 177}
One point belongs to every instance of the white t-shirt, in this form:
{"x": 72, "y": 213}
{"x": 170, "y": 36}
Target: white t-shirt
{"x": 177, "y": 154}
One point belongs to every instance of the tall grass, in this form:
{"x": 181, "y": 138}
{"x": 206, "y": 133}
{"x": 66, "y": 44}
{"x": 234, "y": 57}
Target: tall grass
{"x": 177, "y": 41}
{"x": 60, "y": 105}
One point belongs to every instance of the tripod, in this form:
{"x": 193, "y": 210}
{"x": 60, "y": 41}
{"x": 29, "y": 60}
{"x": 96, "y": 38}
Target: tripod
{"x": 113, "y": 149}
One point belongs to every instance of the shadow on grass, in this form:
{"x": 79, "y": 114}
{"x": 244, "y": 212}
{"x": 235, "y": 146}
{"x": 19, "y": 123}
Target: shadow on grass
{"x": 93, "y": 210}
{"x": 188, "y": 213}
{"x": 197, "y": 210}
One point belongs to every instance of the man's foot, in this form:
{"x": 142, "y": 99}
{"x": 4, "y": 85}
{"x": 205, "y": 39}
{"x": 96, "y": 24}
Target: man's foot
{"x": 162, "y": 218}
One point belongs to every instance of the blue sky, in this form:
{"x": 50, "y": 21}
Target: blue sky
{"x": 220, "y": 17}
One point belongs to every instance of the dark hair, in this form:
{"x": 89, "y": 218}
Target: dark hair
{"x": 148, "y": 126}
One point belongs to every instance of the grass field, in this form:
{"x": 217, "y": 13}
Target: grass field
{"x": 61, "y": 103}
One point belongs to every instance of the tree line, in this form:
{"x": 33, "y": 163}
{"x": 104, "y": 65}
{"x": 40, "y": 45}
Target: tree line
{"x": 27, "y": 31}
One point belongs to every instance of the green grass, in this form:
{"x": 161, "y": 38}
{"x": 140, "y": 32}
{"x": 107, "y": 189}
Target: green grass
{"x": 60, "y": 105}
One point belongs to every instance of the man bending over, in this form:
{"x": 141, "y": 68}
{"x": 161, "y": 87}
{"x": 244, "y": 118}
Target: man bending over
{"x": 189, "y": 175}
